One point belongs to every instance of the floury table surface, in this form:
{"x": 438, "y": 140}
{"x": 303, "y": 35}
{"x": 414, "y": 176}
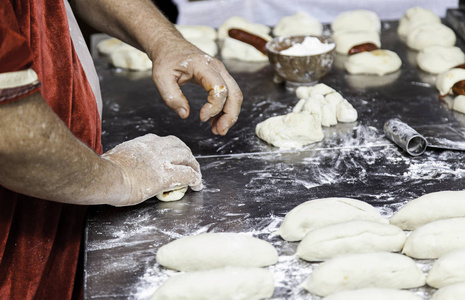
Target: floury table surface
{"x": 249, "y": 185}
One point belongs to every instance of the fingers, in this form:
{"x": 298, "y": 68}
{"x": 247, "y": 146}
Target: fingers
{"x": 172, "y": 94}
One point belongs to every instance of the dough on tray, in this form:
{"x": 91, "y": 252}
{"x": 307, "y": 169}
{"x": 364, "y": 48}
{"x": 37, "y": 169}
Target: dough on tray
{"x": 203, "y": 37}
{"x": 459, "y": 104}
{"x": 241, "y": 23}
{"x": 437, "y": 59}
{"x": 430, "y": 34}
{"x": 430, "y": 207}
{"x": 355, "y": 236}
{"x": 414, "y": 17}
{"x": 317, "y": 213}
{"x": 434, "y": 239}
{"x": 447, "y": 79}
{"x": 363, "y": 270}
{"x": 374, "y": 294}
{"x": 235, "y": 49}
{"x": 216, "y": 250}
{"x": 376, "y": 62}
{"x": 448, "y": 269}
{"x": 109, "y": 45}
{"x": 346, "y": 40}
{"x": 299, "y": 24}
{"x": 173, "y": 195}
{"x": 360, "y": 19}
{"x": 124, "y": 56}
{"x": 229, "y": 283}
{"x": 451, "y": 292}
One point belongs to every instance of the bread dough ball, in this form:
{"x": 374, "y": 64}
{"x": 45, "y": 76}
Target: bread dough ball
{"x": 363, "y": 270}
{"x": 345, "y": 112}
{"x": 376, "y": 62}
{"x": 229, "y": 283}
{"x": 241, "y": 23}
{"x": 299, "y": 24}
{"x": 350, "y": 237}
{"x": 448, "y": 269}
{"x": 235, "y": 49}
{"x": 172, "y": 195}
{"x": 293, "y": 130}
{"x": 215, "y": 250}
{"x": 353, "y": 20}
{"x": 414, "y": 17}
{"x": 430, "y": 207}
{"x": 430, "y": 34}
{"x": 434, "y": 239}
{"x": 203, "y": 37}
{"x": 322, "y": 212}
{"x": 107, "y": 46}
{"x": 450, "y": 292}
{"x": 374, "y": 293}
{"x": 437, "y": 59}
{"x": 304, "y": 92}
{"x": 128, "y": 57}
{"x": 346, "y": 40}
{"x": 459, "y": 104}
{"x": 447, "y": 79}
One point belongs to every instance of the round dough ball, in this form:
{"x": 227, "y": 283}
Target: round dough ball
{"x": 235, "y": 49}
{"x": 430, "y": 34}
{"x": 299, "y": 24}
{"x": 230, "y": 283}
{"x": 346, "y": 40}
{"x": 374, "y": 294}
{"x": 376, "y": 62}
{"x": 447, "y": 79}
{"x": 434, "y": 239}
{"x": 196, "y": 32}
{"x": 241, "y": 23}
{"x": 107, "y": 46}
{"x": 430, "y": 207}
{"x": 448, "y": 269}
{"x": 215, "y": 250}
{"x": 128, "y": 57}
{"x": 459, "y": 104}
{"x": 360, "y": 19}
{"x": 437, "y": 59}
{"x": 173, "y": 195}
{"x": 451, "y": 292}
{"x": 322, "y": 212}
{"x": 414, "y": 17}
{"x": 350, "y": 237}
{"x": 363, "y": 270}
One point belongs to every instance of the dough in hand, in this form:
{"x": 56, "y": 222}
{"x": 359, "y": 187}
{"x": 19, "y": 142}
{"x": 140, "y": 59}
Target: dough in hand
{"x": 374, "y": 294}
{"x": 448, "y": 269}
{"x": 173, "y": 195}
{"x": 363, "y": 270}
{"x": 229, "y": 283}
{"x": 299, "y": 24}
{"x": 355, "y": 236}
{"x": 376, "y": 62}
{"x": 414, "y": 17}
{"x": 431, "y": 34}
{"x": 346, "y": 40}
{"x": 451, "y": 292}
{"x": 437, "y": 59}
{"x": 447, "y": 79}
{"x": 430, "y": 207}
{"x": 293, "y": 130}
{"x": 322, "y": 212}
{"x": 434, "y": 239}
{"x": 353, "y": 20}
{"x": 215, "y": 250}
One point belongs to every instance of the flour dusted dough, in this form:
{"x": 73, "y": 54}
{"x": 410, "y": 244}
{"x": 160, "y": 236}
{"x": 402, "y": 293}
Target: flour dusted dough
{"x": 216, "y": 250}
{"x": 376, "y": 62}
{"x": 448, "y": 269}
{"x": 173, "y": 195}
{"x": 414, "y": 17}
{"x": 229, "y": 283}
{"x": 447, "y": 79}
{"x": 322, "y": 212}
{"x": 450, "y": 292}
{"x": 357, "y": 20}
{"x": 434, "y": 239}
{"x": 299, "y": 24}
{"x": 430, "y": 207}
{"x": 293, "y": 130}
{"x": 346, "y": 40}
{"x": 374, "y": 294}
{"x": 362, "y": 270}
{"x": 350, "y": 237}
{"x": 430, "y": 34}
{"x": 235, "y": 49}
{"x": 437, "y": 59}
{"x": 201, "y": 36}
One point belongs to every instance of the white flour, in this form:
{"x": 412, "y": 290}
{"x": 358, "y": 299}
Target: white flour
{"x": 309, "y": 46}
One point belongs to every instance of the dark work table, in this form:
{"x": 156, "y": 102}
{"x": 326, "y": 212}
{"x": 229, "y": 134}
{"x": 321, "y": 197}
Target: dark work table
{"x": 250, "y": 185}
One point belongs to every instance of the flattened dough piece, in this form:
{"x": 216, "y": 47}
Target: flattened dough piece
{"x": 374, "y": 294}
{"x": 317, "y": 213}
{"x": 451, "y": 292}
{"x": 448, "y": 269}
{"x": 430, "y": 34}
{"x": 299, "y": 24}
{"x": 430, "y": 207}
{"x": 437, "y": 59}
{"x": 434, "y": 239}
{"x": 376, "y": 62}
{"x": 360, "y": 19}
{"x": 363, "y": 270}
{"x": 215, "y": 250}
{"x": 346, "y": 40}
{"x": 356, "y": 236}
{"x": 173, "y": 195}
{"x": 229, "y": 283}
{"x": 414, "y": 17}
{"x": 447, "y": 79}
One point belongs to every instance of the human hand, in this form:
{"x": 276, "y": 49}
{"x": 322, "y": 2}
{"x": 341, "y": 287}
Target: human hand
{"x": 151, "y": 164}
{"x": 176, "y": 62}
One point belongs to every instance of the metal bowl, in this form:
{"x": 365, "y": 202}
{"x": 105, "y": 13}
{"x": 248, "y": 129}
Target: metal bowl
{"x": 299, "y": 70}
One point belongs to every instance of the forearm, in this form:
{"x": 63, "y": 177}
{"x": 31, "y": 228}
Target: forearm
{"x": 40, "y": 157}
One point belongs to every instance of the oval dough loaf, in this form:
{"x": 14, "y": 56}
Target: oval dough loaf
{"x": 299, "y": 24}
{"x": 362, "y": 270}
{"x": 216, "y": 250}
{"x": 230, "y": 283}
{"x": 374, "y": 294}
{"x": 128, "y": 57}
{"x": 346, "y": 40}
{"x": 430, "y": 207}
{"x": 447, "y": 79}
{"x": 430, "y": 34}
{"x": 448, "y": 269}
{"x": 376, "y": 62}
{"x": 451, "y": 292}
{"x": 235, "y": 49}
{"x": 434, "y": 239}
{"x": 437, "y": 59}
{"x": 360, "y": 19}
{"x": 107, "y": 46}
{"x": 173, "y": 195}
{"x": 350, "y": 237}
{"x": 414, "y": 17}
{"x": 318, "y": 213}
